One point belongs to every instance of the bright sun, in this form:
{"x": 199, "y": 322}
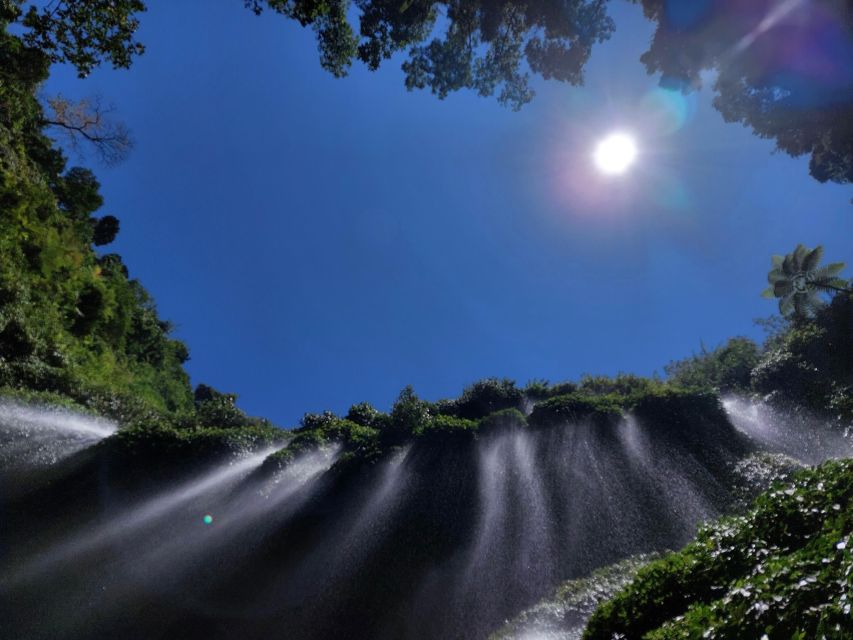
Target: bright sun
{"x": 615, "y": 153}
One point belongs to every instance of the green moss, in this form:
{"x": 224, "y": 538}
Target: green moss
{"x": 574, "y": 407}
{"x": 163, "y": 441}
{"x": 501, "y": 420}
{"x": 444, "y": 428}
{"x": 675, "y": 403}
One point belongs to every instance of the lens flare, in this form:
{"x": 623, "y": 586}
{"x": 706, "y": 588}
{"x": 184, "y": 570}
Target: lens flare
{"x": 208, "y": 519}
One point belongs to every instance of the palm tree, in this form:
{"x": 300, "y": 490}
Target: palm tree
{"x": 798, "y": 282}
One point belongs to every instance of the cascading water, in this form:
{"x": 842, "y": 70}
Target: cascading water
{"x": 438, "y": 539}
{"x": 802, "y": 436}
{"x": 153, "y": 546}
{"x": 33, "y": 436}
{"x": 135, "y": 520}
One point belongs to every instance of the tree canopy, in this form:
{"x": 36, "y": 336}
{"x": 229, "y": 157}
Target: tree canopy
{"x": 490, "y": 46}
{"x": 82, "y": 33}
{"x": 780, "y": 68}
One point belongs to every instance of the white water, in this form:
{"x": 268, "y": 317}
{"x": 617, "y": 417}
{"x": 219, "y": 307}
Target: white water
{"x": 670, "y": 471}
{"x": 135, "y": 519}
{"x": 164, "y": 544}
{"x": 246, "y": 509}
{"x": 802, "y": 436}
{"x": 337, "y": 555}
{"x": 550, "y": 504}
{"x": 41, "y": 436}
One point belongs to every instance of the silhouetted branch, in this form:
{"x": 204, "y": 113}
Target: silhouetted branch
{"x": 88, "y": 120}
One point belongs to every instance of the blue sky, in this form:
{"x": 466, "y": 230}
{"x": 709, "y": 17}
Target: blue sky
{"x": 320, "y": 242}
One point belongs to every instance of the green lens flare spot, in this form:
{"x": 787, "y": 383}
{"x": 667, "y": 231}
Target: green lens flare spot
{"x": 208, "y": 519}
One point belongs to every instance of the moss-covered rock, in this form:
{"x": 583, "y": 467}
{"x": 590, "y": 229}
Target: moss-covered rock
{"x": 563, "y": 616}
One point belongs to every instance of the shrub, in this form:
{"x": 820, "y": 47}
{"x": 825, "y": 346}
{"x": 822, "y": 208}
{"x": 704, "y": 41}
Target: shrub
{"x": 487, "y": 396}
{"x": 363, "y": 414}
{"x": 443, "y": 428}
{"x": 408, "y": 415}
{"x": 574, "y": 408}
{"x": 810, "y": 364}
{"x": 506, "y": 419}
{"x": 623, "y": 384}
{"x": 104, "y": 230}
{"x": 726, "y": 368}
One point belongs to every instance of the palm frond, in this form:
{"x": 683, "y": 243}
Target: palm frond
{"x": 776, "y": 276}
{"x": 828, "y": 270}
{"x": 812, "y": 259}
{"x": 799, "y": 257}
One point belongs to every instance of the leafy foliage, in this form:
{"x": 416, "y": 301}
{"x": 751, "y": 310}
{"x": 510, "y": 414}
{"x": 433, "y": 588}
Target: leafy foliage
{"x": 485, "y": 397}
{"x": 80, "y": 33}
{"x": 810, "y": 364}
{"x": 490, "y": 47}
{"x": 798, "y": 282}
{"x": 726, "y": 368}
{"x": 766, "y": 57}
{"x": 71, "y": 322}
{"x": 105, "y": 230}
{"x": 574, "y": 407}
{"x": 623, "y": 384}
{"x": 778, "y": 69}
{"x": 783, "y": 570}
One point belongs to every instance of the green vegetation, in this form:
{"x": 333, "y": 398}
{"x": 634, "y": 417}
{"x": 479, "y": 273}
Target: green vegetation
{"x": 804, "y": 363}
{"x": 810, "y": 363}
{"x": 726, "y": 368}
{"x": 575, "y": 407}
{"x": 77, "y": 331}
{"x": 781, "y": 571}
{"x": 563, "y": 615}
{"x": 798, "y": 282}
{"x": 495, "y": 48}
{"x": 71, "y": 321}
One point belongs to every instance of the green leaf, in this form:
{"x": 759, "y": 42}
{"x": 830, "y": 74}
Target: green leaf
{"x": 768, "y": 293}
{"x": 776, "y": 276}
{"x": 812, "y": 259}
{"x": 829, "y": 270}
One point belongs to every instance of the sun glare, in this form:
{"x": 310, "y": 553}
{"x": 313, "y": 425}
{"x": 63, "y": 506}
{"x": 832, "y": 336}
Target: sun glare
{"x": 615, "y": 154}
